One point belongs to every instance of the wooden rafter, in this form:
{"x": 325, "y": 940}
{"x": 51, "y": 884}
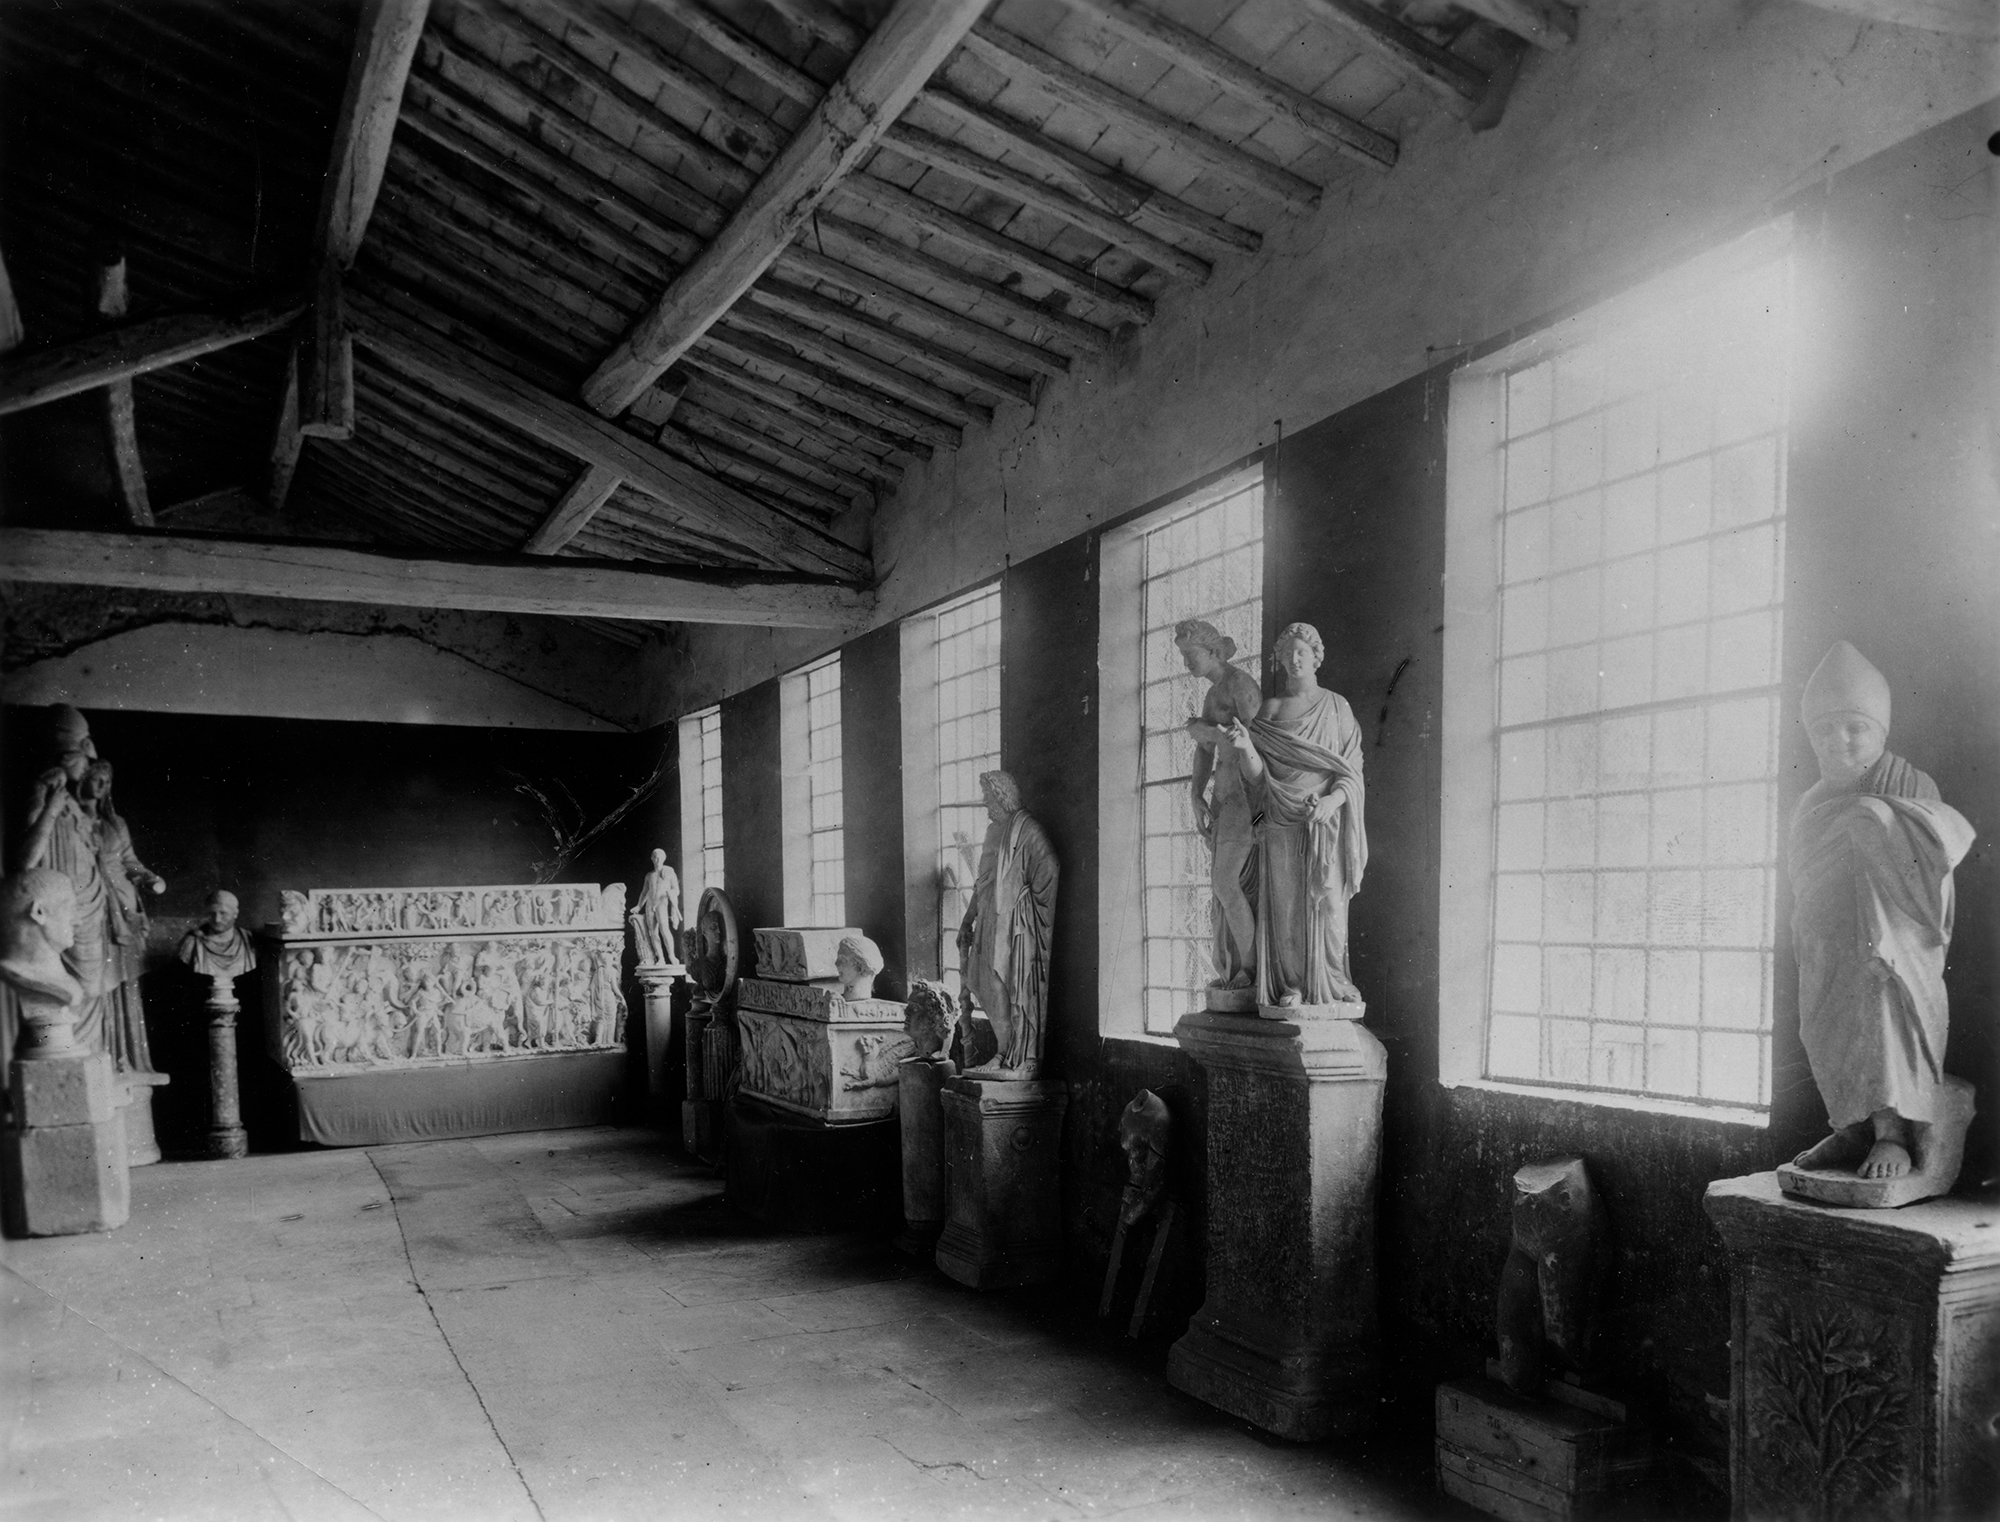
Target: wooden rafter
{"x": 892, "y": 66}
{"x": 325, "y": 573}
{"x": 383, "y": 47}
{"x": 1456, "y": 84}
{"x": 36, "y": 376}
{"x": 11, "y": 331}
{"x": 1550, "y": 24}
{"x": 687, "y": 496}
{"x": 576, "y": 507}
{"x": 121, "y": 414}
{"x": 1022, "y": 61}
{"x": 287, "y": 443}
{"x": 1198, "y": 56}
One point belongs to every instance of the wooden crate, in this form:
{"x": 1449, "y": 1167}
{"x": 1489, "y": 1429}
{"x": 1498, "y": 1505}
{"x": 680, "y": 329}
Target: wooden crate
{"x": 1568, "y": 1456}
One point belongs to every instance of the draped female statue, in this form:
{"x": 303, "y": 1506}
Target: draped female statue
{"x": 62, "y": 835}
{"x": 126, "y": 924}
{"x": 1222, "y": 806}
{"x": 1301, "y": 758}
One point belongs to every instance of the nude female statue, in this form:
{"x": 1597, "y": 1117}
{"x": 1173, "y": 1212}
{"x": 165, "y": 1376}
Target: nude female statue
{"x": 1222, "y": 811}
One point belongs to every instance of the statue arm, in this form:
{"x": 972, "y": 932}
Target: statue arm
{"x": 42, "y": 816}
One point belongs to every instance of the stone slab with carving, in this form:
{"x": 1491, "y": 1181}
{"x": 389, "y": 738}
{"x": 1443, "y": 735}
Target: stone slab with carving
{"x": 349, "y": 998}
{"x": 795, "y": 955}
{"x": 1864, "y": 1376}
{"x": 837, "y": 1072}
{"x": 330, "y": 912}
{"x": 814, "y": 1001}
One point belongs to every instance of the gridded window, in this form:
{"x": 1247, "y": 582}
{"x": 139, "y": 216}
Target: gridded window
{"x": 815, "y": 854}
{"x": 701, "y": 804}
{"x": 709, "y": 722}
{"x": 968, "y": 743}
{"x": 1641, "y": 546}
{"x": 1202, "y": 561}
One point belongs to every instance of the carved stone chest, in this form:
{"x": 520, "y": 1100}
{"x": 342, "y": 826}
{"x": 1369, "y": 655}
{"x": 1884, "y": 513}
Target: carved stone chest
{"x": 1864, "y": 1356}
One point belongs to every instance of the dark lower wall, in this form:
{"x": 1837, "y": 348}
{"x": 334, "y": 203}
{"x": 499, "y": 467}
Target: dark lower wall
{"x": 257, "y": 805}
{"x": 871, "y": 751}
{"x": 753, "y": 843}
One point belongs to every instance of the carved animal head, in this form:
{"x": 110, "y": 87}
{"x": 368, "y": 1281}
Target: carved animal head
{"x": 928, "y": 1016}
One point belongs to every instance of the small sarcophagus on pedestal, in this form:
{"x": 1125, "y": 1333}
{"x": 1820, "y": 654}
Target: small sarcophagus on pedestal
{"x": 406, "y": 1013}
{"x": 806, "y": 1047}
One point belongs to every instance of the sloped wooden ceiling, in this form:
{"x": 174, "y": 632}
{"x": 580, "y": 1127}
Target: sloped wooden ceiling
{"x": 683, "y": 282}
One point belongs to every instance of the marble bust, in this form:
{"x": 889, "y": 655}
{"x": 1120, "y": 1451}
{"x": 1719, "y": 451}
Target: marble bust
{"x": 1142, "y": 1133}
{"x": 1222, "y": 806}
{"x": 1872, "y": 849}
{"x": 857, "y": 961}
{"x": 1301, "y": 760}
{"x": 217, "y": 948}
{"x": 1003, "y": 942}
{"x": 37, "y": 925}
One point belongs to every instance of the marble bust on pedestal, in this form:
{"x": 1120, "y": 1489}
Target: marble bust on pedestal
{"x": 218, "y": 948}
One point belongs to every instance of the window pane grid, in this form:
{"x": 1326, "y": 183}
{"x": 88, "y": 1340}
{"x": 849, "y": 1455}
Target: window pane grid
{"x": 1208, "y": 563}
{"x": 968, "y": 743}
{"x": 825, "y": 837}
{"x": 710, "y": 844}
{"x": 1640, "y": 541}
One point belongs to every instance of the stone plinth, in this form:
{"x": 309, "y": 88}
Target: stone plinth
{"x": 838, "y": 1067}
{"x": 1003, "y": 1143}
{"x": 1864, "y": 1376}
{"x": 799, "y": 1174}
{"x": 64, "y": 1157}
{"x": 226, "y": 1136}
{"x": 926, "y": 1167}
{"x": 656, "y": 985}
{"x": 1287, "y": 1336}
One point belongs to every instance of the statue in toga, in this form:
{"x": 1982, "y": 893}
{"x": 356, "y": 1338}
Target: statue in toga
{"x": 1003, "y": 942}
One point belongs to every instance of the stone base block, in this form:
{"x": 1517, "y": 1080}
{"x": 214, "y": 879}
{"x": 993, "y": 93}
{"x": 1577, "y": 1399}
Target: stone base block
{"x": 60, "y": 1181}
{"x": 75, "y": 1089}
{"x": 1864, "y": 1362}
{"x": 1004, "y": 1144}
{"x": 1936, "y": 1171}
{"x": 701, "y": 1128}
{"x": 1536, "y": 1460}
{"x": 1287, "y": 1336}
{"x": 919, "y": 1239}
{"x": 142, "y": 1146}
{"x": 920, "y": 1113}
{"x": 801, "y": 1175}
{"x": 1232, "y": 1001}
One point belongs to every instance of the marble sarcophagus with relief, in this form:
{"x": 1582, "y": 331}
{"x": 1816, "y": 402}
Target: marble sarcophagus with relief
{"x": 806, "y": 1047}
{"x": 480, "y": 988}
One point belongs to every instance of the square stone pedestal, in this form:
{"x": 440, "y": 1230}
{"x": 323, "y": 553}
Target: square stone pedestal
{"x": 63, "y": 1161}
{"x": 1003, "y": 1141}
{"x": 1287, "y": 1336}
{"x": 799, "y": 1174}
{"x": 926, "y": 1168}
{"x": 1864, "y": 1363}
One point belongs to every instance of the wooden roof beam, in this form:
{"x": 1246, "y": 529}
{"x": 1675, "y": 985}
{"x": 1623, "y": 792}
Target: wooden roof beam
{"x": 821, "y": 20}
{"x": 121, "y": 416}
{"x": 287, "y": 443}
{"x": 11, "y": 331}
{"x": 707, "y": 423}
{"x": 1456, "y": 84}
{"x": 841, "y": 318}
{"x": 1548, "y": 24}
{"x": 35, "y": 376}
{"x": 1196, "y": 55}
{"x": 1028, "y": 65}
{"x": 893, "y": 65}
{"x": 745, "y": 52}
{"x": 748, "y": 468}
{"x": 902, "y": 427}
{"x": 484, "y": 583}
{"x": 857, "y": 432}
{"x": 687, "y": 495}
{"x": 1098, "y": 184}
{"x": 969, "y": 168}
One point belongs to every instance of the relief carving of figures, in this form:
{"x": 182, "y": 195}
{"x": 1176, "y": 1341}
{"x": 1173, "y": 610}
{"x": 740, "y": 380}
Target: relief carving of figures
{"x": 1301, "y": 758}
{"x": 1222, "y": 802}
{"x": 1003, "y": 942}
{"x": 1872, "y": 851}
{"x": 61, "y": 835}
{"x": 405, "y": 1001}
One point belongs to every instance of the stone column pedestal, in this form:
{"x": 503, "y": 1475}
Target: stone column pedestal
{"x": 1864, "y": 1355}
{"x": 1003, "y": 1142}
{"x": 226, "y": 1136}
{"x": 657, "y": 982}
{"x": 1287, "y": 1336}
{"x": 143, "y": 1146}
{"x": 63, "y": 1158}
{"x": 926, "y": 1167}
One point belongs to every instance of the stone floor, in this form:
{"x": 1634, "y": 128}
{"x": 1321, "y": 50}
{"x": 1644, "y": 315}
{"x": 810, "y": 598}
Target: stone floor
{"x": 573, "y": 1325}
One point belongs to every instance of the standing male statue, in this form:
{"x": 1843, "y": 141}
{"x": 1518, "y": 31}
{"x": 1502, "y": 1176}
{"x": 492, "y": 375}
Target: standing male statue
{"x": 1003, "y": 942}
{"x": 1222, "y": 806}
{"x": 1301, "y": 757}
{"x": 656, "y": 917}
{"x": 1872, "y": 851}
{"x": 62, "y": 835}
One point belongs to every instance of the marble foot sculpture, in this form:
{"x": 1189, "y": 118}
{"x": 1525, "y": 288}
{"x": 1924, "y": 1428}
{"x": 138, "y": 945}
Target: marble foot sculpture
{"x": 1935, "y": 1158}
